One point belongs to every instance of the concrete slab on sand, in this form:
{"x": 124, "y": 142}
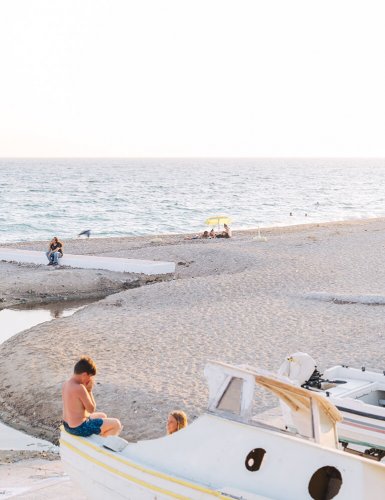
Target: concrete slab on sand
{"x": 37, "y": 479}
{"x": 11, "y": 439}
{"x": 149, "y": 267}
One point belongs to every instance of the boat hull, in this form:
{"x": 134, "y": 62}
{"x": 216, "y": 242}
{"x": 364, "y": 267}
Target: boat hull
{"x": 361, "y": 430}
{"x": 208, "y": 460}
{"x": 358, "y": 401}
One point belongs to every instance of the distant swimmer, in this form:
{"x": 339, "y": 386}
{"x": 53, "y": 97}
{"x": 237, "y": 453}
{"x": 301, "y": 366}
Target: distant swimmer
{"x": 87, "y": 233}
{"x": 291, "y": 214}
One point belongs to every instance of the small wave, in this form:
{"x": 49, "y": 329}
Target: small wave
{"x": 372, "y": 300}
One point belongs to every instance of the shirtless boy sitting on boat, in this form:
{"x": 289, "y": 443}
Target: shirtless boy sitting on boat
{"x": 79, "y": 404}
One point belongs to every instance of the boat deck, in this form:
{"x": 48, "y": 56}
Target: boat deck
{"x": 351, "y": 386}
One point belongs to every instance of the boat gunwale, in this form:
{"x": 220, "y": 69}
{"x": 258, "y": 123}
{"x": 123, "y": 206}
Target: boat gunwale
{"x": 264, "y": 428}
{"x": 125, "y": 461}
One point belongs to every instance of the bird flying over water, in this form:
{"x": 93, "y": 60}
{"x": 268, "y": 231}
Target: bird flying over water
{"x": 87, "y": 233}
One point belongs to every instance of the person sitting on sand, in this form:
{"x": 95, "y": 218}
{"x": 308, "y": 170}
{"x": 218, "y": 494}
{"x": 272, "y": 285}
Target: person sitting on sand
{"x": 176, "y": 421}
{"x": 212, "y": 234}
{"x": 79, "y": 417}
{"x": 226, "y": 233}
{"x": 55, "y": 252}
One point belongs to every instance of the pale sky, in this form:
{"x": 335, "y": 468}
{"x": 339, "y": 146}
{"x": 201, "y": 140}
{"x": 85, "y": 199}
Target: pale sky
{"x": 192, "y": 78}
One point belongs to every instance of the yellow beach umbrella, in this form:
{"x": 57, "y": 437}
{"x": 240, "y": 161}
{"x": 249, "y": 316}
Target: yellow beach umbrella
{"x": 218, "y": 219}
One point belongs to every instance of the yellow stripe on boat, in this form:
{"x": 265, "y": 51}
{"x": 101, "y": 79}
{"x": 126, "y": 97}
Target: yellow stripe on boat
{"x": 140, "y": 468}
{"x": 121, "y": 474}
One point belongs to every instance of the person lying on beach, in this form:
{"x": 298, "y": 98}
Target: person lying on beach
{"x": 176, "y": 421}
{"x": 212, "y": 234}
{"x": 202, "y": 236}
{"x": 79, "y": 417}
{"x": 55, "y": 252}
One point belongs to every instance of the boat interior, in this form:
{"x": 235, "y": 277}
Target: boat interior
{"x": 376, "y": 398}
{"x": 367, "y": 391}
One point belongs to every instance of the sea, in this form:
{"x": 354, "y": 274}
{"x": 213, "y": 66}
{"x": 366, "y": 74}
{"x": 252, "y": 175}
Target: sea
{"x": 41, "y": 198}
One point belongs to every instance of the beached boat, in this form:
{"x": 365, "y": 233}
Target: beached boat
{"x": 359, "y": 394}
{"x": 228, "y": 453}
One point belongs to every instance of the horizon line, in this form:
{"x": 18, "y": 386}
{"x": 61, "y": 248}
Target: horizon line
{"x": 191, "y": 157}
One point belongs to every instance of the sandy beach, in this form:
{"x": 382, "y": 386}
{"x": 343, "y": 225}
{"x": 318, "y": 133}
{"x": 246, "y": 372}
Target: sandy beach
{"x": 315, "y": 288}
{"x": 127, "y": 128}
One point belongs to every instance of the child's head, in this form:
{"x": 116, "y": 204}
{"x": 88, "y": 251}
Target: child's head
{"x": 85, "y": 365}
{"x": 176, "y": 420}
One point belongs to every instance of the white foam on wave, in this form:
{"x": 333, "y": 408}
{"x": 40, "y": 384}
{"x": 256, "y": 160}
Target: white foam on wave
{"x": 337, "y": 298}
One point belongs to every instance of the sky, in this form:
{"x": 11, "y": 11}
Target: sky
{"x": 176, "y": 78}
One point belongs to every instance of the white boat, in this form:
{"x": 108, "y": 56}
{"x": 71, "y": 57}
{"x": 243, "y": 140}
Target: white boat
{"x": 359, "y": 395}
{"x": 226, "y": 453}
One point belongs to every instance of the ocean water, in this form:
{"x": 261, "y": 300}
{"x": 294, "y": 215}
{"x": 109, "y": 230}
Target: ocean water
{"x": 40, "y": 198}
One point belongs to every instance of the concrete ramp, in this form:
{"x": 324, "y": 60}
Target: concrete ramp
{"x": 148, "y": 267}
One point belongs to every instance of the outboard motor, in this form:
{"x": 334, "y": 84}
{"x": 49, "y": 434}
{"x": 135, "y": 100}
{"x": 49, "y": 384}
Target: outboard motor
{"x": 314, "y": 381}
{"x": 298, "y": 367}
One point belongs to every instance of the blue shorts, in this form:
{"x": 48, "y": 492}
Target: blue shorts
{"x": 88, "y": 427}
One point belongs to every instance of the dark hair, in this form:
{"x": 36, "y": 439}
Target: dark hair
{"x": 85, "y": 365}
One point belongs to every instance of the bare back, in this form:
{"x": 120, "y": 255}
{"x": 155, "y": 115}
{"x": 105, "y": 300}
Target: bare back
{"x": 77, "y": 403}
